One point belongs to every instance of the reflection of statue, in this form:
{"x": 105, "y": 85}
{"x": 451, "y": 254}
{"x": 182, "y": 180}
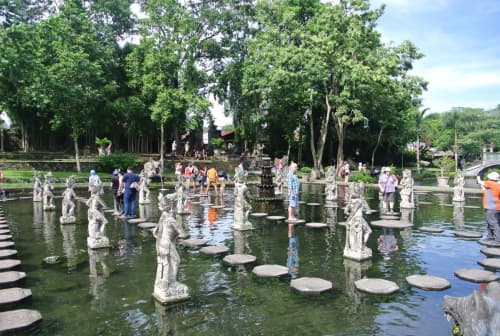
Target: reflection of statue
{"x": 48, "y": 196}
{"x": 68, "y": 204}
{"x": 143, "y": 189}
{"x": 69, "y": 245}
{"x": 357, "y": 229}
{"x": 96, "y": 221}
{"x": 387, "y": 242}
{"x": 98, "y": 273}
{"x": 166, "y": 287}
{"x": 292, "y": 261}
{"x": 180, "y": 197}
{"x": 458, "y": 189}
{"x": 331, "y": 216}
{"x": 241, "y": 208}
{"x": 407, "y": 215}
{"x": 331, "y": 185}
{"x": 167, "y": 324}
{"x": 407, "y": 191}
{"x": 151, "y": 168}
{"x": 458, "y": 215}
{"x": 37, "y": 188}
{"x": 355, "y": 271}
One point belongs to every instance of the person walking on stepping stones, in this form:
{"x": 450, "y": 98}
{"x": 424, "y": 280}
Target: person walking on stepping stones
{"x": 387, "y": 184}
{"x": 491, "y": 203}
{"x": 293, "y": 191}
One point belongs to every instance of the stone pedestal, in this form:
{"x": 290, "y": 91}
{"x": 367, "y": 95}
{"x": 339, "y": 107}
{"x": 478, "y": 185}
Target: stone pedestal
{"x": 363, "y": 254}
{"x": 176, "y": 292}
{"x": 97, "y": 243}
{"x": 49, "y": 207}
{"x": 67, "y": 220}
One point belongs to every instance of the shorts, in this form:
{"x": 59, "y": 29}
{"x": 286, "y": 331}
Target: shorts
{"x": 389, "y": 197}
{"x": 293, "y": 202}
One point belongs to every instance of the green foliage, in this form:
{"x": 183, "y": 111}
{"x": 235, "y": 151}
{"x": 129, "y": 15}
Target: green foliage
{"x": 217, "y": 142}
{"x": 117, "y": 160}
{"x": 305, "y": 170}
{"x": 102, "y": 142}
{"x": 359, "y": 176}
{"x": 445, "y": 164}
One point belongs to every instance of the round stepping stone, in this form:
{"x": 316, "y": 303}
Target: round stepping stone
{"x": 6, "y": 231}
{"x": 371, "y": 211}
{"x": 207, "y": 204}
{"x": 5, "y": 237}
{"x": 193, "y": 242}
{"x": 467, "y": 234}
{"x": 446, "y": 204}
{"x": 428, "y": 282}
{"x": 376, "y": 286}
{"x": 12, "y": 295}
{"x": 217, "y": 207}
{"x": 228, "y": 209}
{"x": 489, "y": 243}
{"x": 184, "y": 212}
{"x": 476, "y": 275}
{"x": 18, "y": 319}
{"x": 109, "y": 210}
{"x": 195, "y": 202}
{"x": 296, "y": 222}
{"x": 239, "y": 259}
{"x": 6, "y": 244}
{"x": 389, "y": 217}
{"x": 393, "y": 224}
{"x": 311, "y": 285}
{"x": 147, "y": 225}
{"x": 9, "y": 263}
{"x": 316, "y": 225}
{"x": 490, "y": 263}
{"x": 11, "y": 277}
{"x": 258, "y": 214}
{"x": 270, "y": 271}
{"x": 431, "y": 229}
{"x": 275, "y": 218}
{"x": 136, "y": 220}
{"x": 7, "y": 253}
{"x": 331, "y": 205}
{"x": 313, "y": 204}
{"x": 489, "y": 251}
{"x": 472, "y": 207}
{"x": 424, "y": 202}
{"x": 302, "y": 202}
{"x": 214, "y": 250}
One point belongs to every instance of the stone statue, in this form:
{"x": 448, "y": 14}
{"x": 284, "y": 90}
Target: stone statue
{"x": 37, "y": 188}
{"x": 181, "y": 199}
{"x": 331, "y": 185}
{"x": 151, "y": 168}
{"x": 96, "y": 221}
{"x": 143, "y": 188}
{"x": 240, "y": 174}
{"x": 242, "y": 208}
{"x": 68, "y": 204}
{"x": 166, "y": 288}
{"x": 407, "y": 191}
{"x": 357, "y": 229}
{"x": 48, "y": 196}
{"x": 458, "y": 189}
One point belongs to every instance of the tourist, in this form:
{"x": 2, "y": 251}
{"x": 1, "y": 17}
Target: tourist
{"x": 178, "y": 171}
{"x": 186, "y": 148}
{"x": 202, "y": 178}
{"x": 174, "y": 148}
{"x": 129, "y": 188}
{"x": 212, "y": 179}
{"x": 344, "y": 172}
{"x": 194, "y": 175}
{"x": 223, "y": 178}
{"x": 293, "y": 191}
{"x": 188, "y": 172}
{"x": 491, "y": 203}
{"x": 115, "y": 187}
{"x": 94, "y": 179}
{"x": 2, "y": 190}
{"x": 203, "y": 153}
{"x": 387, "y": 184}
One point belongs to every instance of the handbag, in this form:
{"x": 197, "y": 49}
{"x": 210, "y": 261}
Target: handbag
{"x": 134, "y": 185}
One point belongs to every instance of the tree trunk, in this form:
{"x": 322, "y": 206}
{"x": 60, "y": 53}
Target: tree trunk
{"x": 77, "y": 153}
{"x": 317, "y": 149}
{"x": 162, "y": 148}
{"x": 376, "y": 145}
{"x": 418, "y": 154}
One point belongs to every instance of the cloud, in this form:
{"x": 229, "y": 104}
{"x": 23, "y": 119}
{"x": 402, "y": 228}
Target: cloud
{"x": 459, "y": 77}
{"x": 408, "y": 6}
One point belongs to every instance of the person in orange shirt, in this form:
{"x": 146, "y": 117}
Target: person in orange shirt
{"x": 212, "y": 179}
{"x": 491, "y": 203}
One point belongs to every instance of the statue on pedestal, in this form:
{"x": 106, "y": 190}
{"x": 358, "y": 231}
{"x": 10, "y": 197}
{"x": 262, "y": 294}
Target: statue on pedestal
{"x": 458, "y": 189}
{"x": 151, "y": 168}
{"x": 68, "y": 204}
{"x": 96, "y": 221}
{"x": 357, "y": 229}
{"x": 407, "y": 191}
{"x": 242, "y": 208}
{"x": 48, "y": 196}
{"x": 37, "y": 188}
{"x": 331, "y": 185}
{"x": 166, "y": 288}
{"x": 144, "y": 189}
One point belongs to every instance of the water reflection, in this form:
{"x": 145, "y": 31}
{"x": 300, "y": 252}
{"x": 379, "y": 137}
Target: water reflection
{"x": 98, "y": 273}
{"x": 458, "y": 215}
{"x": 387, "y": 242}
{"x": 354, "y": 271}
{"x": 407, "y": 215}
{"x": 167, "y": 325}
{"x": 69, "y": 244}
{"x": 292, "y": 261}
{"x": 442, "y": 197}
{"x": 331, "y": 216}
{"x": 145, "y": 211}
{"x": 49, "y": 230}
{"x": 241, "y": 246}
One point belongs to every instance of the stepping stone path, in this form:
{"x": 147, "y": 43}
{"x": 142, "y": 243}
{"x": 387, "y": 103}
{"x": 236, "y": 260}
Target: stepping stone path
{"x": 5, "y": 237}
{"x": 9, "y": 263}
{"x": 13, "y": 295}
{"x": 389, "y": 217}
{"x": 193, "y": 242}
{"x": 392, "y": 224}
{"x": 147, "y": 225}
{"x": 489, "y": 243}
{"x": 18, "y": 319}
{"x": 275, "y": 218}
{"x": 6, "y": 244}
{"x": 214, "y": 250}
{"x": 270, "y": 271}
{"x": 296, "y": 222}
{"x": 489, "y": 251}
{"x": 490, "y": 263}
{"x": 376, "y": 286}
{"x": 311, "y": 285}
{"x": 314, "y": 204}
{"x": 239, "y": 259}
{"x": 431, "y": 229}
{"x": 476, "y": 275}
{"x": 7, "y": 253}
{"x": 136, "y": 220}
{"x": 258, "y": 214}
{"x": 331, "y": 205}
{"x": 316, "y": 225}
{"x": 428, "y": 282}
{"x": 467, "y": 234}
{"x": 11, "y": 277}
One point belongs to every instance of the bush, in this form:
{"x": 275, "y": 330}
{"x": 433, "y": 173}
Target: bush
{"x": 445, "y": 164}
{"x": 361, "y": 177}
{"x": 116, "y": 160}
{"x": 217, "y": 143}
{"x": 305, "y": 170}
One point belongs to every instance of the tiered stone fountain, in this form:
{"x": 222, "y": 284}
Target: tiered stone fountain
{"x": 267, "y": 197}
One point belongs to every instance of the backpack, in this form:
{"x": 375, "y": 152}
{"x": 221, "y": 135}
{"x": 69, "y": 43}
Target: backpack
{"x": 195, "y": 171}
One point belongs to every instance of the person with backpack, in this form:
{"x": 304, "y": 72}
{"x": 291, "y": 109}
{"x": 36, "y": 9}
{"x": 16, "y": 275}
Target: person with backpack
{"x": 202, "y": 178}
{"x": 194, "y": 175}
{"x": 129, "y": 185}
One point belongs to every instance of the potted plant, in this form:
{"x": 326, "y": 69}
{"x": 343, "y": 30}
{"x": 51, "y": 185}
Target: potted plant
{"x": 305, "y": 173}
{"x": 102, "y": 145}
{"x": 445, "y": 165}
{"x": 218, "y": 144}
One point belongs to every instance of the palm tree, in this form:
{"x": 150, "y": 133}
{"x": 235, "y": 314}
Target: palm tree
{"x": 452, "y": 119}
{"x": 419, "y": 117}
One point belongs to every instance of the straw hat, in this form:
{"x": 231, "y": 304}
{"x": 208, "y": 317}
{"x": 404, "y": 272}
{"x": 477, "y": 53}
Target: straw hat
{"x": 493, "y": 176}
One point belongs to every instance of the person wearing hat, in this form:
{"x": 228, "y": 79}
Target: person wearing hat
{"x": 387, "y": 184}
{"x": 491, "y": 203}
{"x": 94, "y": 179}
{"x": 117, "y": 196}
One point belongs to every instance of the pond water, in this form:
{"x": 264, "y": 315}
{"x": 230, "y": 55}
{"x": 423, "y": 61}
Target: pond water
{"x": 108, "y": 292}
